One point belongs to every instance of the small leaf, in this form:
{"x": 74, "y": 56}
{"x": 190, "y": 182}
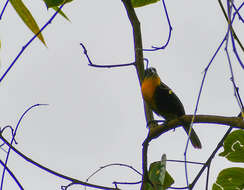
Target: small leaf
{"x": 230, "y": 179}
{"x": 158, "y": 175}
{"x": 27, "y": 17}
{"x": 234, "y": 146}
{"x": 55, "y": 3}
{"x": 140, "y": 3}
{"x": 61, "y": 13}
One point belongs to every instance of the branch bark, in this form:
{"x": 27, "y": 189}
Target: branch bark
{"x": 140, "y": 73}
{"x": 136, "y": 27}
{"x": 235, "y": 122}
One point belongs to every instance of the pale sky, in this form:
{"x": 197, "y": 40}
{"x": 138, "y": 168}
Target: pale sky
{"x": 95, "y": 116}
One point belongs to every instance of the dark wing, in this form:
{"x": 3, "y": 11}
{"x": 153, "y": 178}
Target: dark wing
{"x": 167, "y": 104}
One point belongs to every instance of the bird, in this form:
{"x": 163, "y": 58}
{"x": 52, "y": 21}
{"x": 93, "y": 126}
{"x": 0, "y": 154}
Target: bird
{"x": 164, "y": 102}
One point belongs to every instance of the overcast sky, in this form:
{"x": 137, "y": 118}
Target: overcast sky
{"x": 95, "y": 116}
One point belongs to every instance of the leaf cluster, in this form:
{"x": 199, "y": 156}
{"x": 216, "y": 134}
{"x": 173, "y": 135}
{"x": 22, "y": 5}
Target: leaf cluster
{"x": 26, "y": 16}
{"x": 232, "y": 178}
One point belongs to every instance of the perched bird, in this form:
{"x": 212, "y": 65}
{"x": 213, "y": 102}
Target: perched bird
{"x": 164, "y": 102}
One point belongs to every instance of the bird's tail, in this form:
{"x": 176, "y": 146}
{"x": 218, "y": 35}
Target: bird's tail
{"x": 195, "y": 141}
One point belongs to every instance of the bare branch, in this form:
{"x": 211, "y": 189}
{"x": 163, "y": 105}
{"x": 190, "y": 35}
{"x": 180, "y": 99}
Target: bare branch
{"x": 208, "y": 162}
{"x": 154, "y": 48}
{"x": 102, "y": 66}
{"x": 109, "y": 165}
{"x": 127, "y": 183}
{"x": 235, "y": 122}
{"x": 73, "y": 180}
{"x": 140, "y": 73}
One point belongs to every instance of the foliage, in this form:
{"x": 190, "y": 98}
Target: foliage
{"x": 55, "y": 3}
{"x": 234, "y": 147}
{"x": 230, "y": 179}
{"x": 29, "y": 20}
{"x": 158, "y": 175}
{"x": 140, "y": 3}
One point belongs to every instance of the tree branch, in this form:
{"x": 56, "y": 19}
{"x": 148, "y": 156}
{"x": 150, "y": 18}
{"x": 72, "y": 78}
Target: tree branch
{"x": 137, "y": 49}
{"x": 140, "y": 73}
{"x": 75, "y": 181}
{"x": 235, "y": 122}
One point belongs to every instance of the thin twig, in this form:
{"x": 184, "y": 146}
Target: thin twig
{"x": 109, "y": 165}
{"x": 12, "y": 175}
{"x": 189, "y": 162}
{"x": 232, "y": 34}
{"x": 236, "y": 89}
{"x": 102, "y": 66}
{"x": 126, "y": 183}
{"x": 63, "y": 187}
{"x": 236, "y": 92}
{"x": 208, "y": 174}
{"x": 13, "y": 139}
{"x": 178, "y": 187}
{"x": 220, "y": 144}
{"x": 231, "y": 28}
{"x": 73, "y": 180}
{"x": 237, "y": 11}
{"x": 12, "y": 132}
{"x": 5, "y": 5}
{"x": 197, "y": 104}
{"x": 29, "y": 42}
{"x": 154, "y": 48}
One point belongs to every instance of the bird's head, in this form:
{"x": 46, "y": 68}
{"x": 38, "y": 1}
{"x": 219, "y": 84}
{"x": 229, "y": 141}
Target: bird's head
{"x": 150, "y": 72}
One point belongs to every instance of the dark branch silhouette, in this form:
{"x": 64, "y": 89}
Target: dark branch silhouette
{"x": 207, "y": 164}
{"x": 103, "y": 66}
{"x": 73, "y": 180}
{"x": 154, "y": 48}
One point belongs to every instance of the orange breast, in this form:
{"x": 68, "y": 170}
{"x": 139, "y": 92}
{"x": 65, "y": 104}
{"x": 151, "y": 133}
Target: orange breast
{"x": 148, "y": 88}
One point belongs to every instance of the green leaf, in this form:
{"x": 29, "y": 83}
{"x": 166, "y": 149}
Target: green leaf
{"x": 158, "y": 175}
{"x": 148, "y": 186}
{"x": 27, "y": 17}
{"x": 140, "y": 3}
{"x": 230, "y": 179}
{"x": 55, "y": 3}
{"x": 61, "y": 13}
{"x": 234, "y": 146}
